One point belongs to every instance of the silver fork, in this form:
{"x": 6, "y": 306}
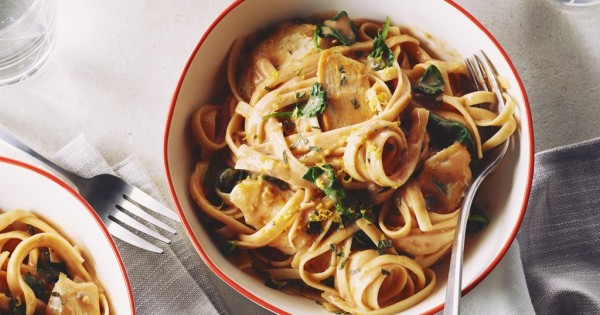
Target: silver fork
{"x": 484, "y": 77}
{"x": 111, "y": 198}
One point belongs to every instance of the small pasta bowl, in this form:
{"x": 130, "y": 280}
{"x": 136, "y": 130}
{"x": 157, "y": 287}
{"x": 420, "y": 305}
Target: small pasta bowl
{"x": 26, "y": 189}
{"x": 440, "y": 24}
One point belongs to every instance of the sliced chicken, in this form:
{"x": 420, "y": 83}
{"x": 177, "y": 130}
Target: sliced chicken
{"x": 258, "y": 200}
{"x": 445, "y": 178}
{"x": 345, "y": 82}
{"x": 290, "y": 41}
{"x": 73, "y": 298}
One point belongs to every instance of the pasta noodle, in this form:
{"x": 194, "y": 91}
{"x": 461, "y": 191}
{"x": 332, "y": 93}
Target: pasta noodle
{"x": 42, "y": 273}
{"x": 336, "y": 163}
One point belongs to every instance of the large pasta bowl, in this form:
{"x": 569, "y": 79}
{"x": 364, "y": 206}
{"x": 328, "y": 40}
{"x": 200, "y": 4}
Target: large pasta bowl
{"x": 504, "y": 194}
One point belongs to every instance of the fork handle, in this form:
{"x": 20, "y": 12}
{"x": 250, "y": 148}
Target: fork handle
{"x": 10, "y": 139}
{"x": 453, "y": 290}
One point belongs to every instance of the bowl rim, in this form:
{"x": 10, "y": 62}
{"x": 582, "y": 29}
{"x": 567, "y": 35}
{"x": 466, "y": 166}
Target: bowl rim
{"x": 240, "y": 289}
{"x": 90, "y": 210}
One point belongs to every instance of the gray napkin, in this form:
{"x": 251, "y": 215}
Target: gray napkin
{"x": 560, "y": 234}
{"x": 175, "y": 282}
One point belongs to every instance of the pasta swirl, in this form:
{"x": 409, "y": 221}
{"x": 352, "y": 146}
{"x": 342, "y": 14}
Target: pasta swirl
{"x": 44, "y": 273}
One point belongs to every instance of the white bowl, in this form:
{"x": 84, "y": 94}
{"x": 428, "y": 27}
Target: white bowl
{"x": 506, "y": 192}
{"x": 26, "y": 187}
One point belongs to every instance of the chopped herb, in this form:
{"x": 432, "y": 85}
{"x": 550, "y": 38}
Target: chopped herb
{"x": 315, "y": 148}
{"x": 285, "y": 158}
{"x": 354, "y": 271}
{"x": 297, "y": 142}
{"x": 339, "y": 27}
{"x": 431, "y": 82}
{"x": 444, "y": 133}
{"x": 343, "y": 81}
{"x": 268, "y": 88}
{"x": 274, "y": 284}
{"x": 341, "y": 69}
{"x": 300, "y": 94}
{"x": 315, "y": 127}
{"x": 315, "y": 106}
{"x": 477, "y": 220}
{"x": 290, "y": 52}
{"x": 355, "y": 103}
{"x": 343, "y": 262}
{"x": 55, "y": 294}
{"x": 299, "y": 73}
{"x": 385, "y": 272}
{"x": 383, "y": 245}
{"x": 340, "y": 254}
{"x": 382, "y": 56}
{"x": 334, "y": 249}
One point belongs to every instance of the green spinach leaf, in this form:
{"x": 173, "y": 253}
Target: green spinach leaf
{"x": 444, "y": 133}
{"x": 477, "y": 220}
{"x": 339, "y": 27}
{"x": 431, "y": 82}
{"x": 382, "y": 56}
{"x": 316, "y": 105}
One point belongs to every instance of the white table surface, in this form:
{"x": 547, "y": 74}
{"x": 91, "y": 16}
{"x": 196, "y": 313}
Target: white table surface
{"x": 116, "y": 63}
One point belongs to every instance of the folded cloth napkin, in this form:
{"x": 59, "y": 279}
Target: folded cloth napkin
{"x": 174, "y": 282}
{"x": 560, "y": 234}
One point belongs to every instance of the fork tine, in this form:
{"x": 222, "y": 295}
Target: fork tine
{"x": 126, "y": 236}
{"x": 150, "y": 203}
{"x": 131, "y": 207}
{"x": 490, "y": 75}
{"x": 473, "y": 65}
{"x": 126, "y": 219}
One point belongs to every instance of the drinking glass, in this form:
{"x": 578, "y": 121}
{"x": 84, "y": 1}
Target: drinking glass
{"x": 579, "y": 3}
{"x": 27, "y": 35}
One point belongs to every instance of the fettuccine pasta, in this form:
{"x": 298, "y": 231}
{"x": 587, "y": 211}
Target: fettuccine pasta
{"x": 336, "y": 163}
{"x": 43, "y": 273}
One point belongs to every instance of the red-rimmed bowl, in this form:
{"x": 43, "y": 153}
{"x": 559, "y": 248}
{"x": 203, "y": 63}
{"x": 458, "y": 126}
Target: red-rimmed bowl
{"x": 505, "y": 192}
{"x": 23, "y": 186}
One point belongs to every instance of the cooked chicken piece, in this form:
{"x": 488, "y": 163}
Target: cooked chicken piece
{"x": 72, "y": 298}
{"x": 445, "y": 178}
{"x": 345, "y": 82}
{"x": 258, "y": 200}
{"x": 290, "y": 41}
